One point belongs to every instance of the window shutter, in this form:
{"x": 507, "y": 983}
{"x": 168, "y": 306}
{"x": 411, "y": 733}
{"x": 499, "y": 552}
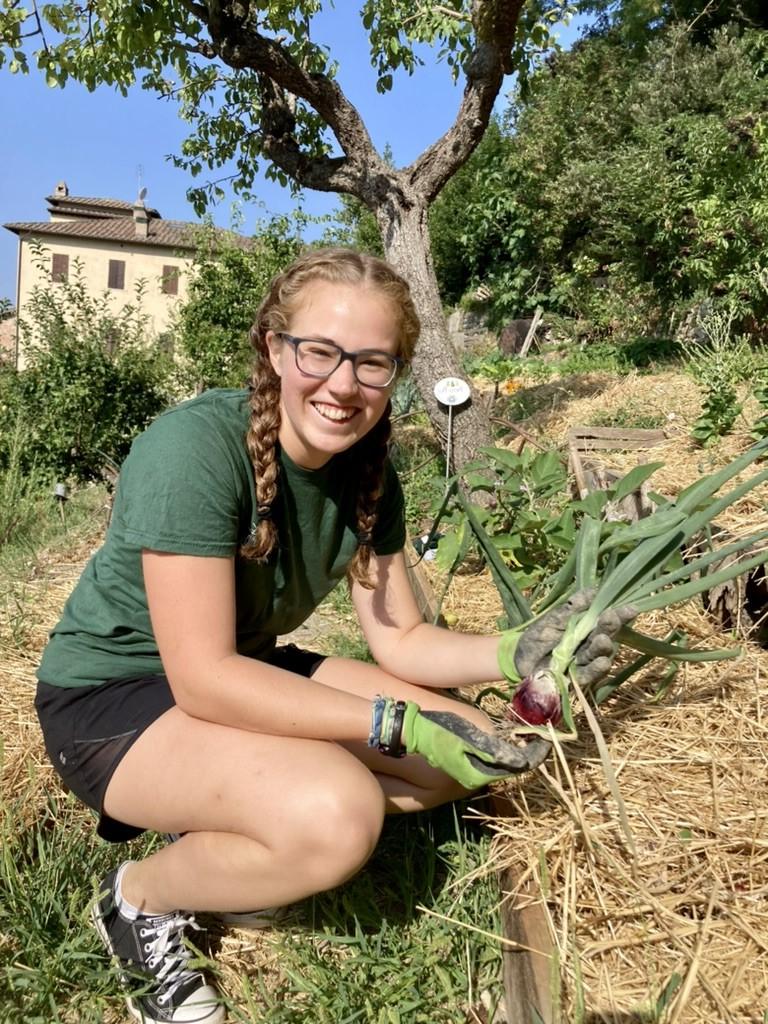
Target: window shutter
{"x": 170, "y": 280}
{"x": 60, "y": 267}
{"x": 116, "y": 274}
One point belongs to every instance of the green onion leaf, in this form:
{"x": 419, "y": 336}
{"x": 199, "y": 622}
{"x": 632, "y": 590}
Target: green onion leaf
{"x": 660, "y": 649}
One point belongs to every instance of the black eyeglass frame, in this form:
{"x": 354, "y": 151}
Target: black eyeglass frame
{"x": 399, "y": 363}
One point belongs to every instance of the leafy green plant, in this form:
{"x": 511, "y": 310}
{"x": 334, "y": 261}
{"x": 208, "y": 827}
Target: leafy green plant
{"x": 529, "y": 521}
{"x": 20, "y": 492}
{"x": 637, "y": 564}
{"x": 719, "y": 362}
{"x": 624, "y": 235}
{"x": 228, "y": 280}
{"x": 93, "y": 380}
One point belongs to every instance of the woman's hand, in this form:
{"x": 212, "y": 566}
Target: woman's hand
{"x": 451, "y": 743}
{"x": 533, "y": 644}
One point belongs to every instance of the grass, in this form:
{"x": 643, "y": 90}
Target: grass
{"x": 369, "y": 953}
{"x": 631, "y": 415}
{"x": 366, "y": 951}
{"x": 52, "y": 968}
{"x": 363, "y": 952}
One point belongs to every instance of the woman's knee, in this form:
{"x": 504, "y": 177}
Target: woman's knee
{"x": 339, "y": 825}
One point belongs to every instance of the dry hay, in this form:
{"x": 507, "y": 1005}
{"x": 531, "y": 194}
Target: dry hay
{"x": 691, "y": 901}
{"x": 29, "y": 607}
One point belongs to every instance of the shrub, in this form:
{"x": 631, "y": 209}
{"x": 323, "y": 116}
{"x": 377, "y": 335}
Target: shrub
{"x": 93, "y": 380}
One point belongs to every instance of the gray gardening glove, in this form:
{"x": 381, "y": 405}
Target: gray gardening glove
{"x": 595, "y": 655}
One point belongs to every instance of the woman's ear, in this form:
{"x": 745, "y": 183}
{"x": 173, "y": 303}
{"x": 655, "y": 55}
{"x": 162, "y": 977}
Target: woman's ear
{"x": 275, "y": 346}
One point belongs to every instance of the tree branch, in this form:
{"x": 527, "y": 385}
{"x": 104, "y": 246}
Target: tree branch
{"x": 279, "y": 143}
{"x": 236, "y": 41}
{"x": 495, "y": 24}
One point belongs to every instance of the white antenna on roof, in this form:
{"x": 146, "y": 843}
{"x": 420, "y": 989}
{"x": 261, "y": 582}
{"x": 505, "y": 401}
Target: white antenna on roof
{"x": 142, "y": 193}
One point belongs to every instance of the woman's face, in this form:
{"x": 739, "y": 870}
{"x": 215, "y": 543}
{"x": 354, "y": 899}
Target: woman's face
{"x": 322, "y": 417}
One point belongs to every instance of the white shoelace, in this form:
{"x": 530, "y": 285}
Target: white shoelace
{"x": 166, "y": 947}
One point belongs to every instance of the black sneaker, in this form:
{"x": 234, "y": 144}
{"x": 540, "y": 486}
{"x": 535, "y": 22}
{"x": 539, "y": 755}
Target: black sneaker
{"x": 152, "y": 948}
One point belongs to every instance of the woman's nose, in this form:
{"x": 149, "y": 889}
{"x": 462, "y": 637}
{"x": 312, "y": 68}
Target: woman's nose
{"x": 343, "y": 379}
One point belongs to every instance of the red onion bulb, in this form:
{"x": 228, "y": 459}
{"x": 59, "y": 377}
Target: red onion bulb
{"x": 536, "y": 700}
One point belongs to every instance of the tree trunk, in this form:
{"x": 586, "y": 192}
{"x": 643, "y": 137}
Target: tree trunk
{"x": 405, "y": 234}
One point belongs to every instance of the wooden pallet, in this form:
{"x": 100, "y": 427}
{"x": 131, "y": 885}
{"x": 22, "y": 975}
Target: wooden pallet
{"x": 585, "y": 440}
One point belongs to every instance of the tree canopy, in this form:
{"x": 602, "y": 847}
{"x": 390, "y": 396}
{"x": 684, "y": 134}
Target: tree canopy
{"x": 627, "y": 186}
{"x": 257, "y": 88}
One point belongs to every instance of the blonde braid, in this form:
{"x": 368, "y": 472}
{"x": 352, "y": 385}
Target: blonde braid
{"x": 261, "y": 441}
{"x": 373, "y": 454}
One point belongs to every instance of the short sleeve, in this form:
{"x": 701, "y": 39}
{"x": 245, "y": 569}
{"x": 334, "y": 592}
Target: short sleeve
{"x": 179, "y": 489}
{"x": 389, "y": 532}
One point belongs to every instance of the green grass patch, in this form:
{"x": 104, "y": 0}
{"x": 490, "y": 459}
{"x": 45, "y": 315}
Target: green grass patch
{"x": 52, "y": 965}
{"x": 370, "y": 954}
{"x": 632, "y": 415}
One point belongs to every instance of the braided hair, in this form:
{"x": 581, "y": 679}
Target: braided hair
{"x": 336, "y": 266}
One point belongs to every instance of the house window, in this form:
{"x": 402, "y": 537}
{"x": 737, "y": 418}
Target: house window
{"x": 116, "y": 274}
{"x": 169, "y": 283}
{"x": 60, "y": 268}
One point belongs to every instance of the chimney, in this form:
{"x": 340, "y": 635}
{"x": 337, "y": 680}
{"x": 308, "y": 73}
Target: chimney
{"x": 140, "y": 215}
{"x": 61, "y": 191}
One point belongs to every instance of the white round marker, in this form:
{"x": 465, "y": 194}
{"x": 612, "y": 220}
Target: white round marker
{"x": 452, "y": 391}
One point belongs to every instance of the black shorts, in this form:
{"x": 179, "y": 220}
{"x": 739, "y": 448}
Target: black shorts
{"x": 88, "y": 729}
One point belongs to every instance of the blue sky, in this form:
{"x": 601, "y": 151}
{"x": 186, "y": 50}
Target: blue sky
{"x": 103, "y": 144}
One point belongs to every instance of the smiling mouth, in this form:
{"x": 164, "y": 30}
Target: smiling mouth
{"x": 334, "y": 413}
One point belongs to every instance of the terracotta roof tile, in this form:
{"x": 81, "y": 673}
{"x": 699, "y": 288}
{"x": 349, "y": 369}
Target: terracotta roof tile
{"x": 174, "y": 234}
{"x": 115, "y": 204}
{"x": 87, "y": 206}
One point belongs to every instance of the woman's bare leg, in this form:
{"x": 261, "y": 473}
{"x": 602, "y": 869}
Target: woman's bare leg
{"x": 268, "y": 819}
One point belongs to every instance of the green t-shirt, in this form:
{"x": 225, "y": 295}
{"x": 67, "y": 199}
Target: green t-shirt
{"x": 187, "y": 487}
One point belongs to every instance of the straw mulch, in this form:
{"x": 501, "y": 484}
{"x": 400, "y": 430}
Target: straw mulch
{"x": 684, "y": 898}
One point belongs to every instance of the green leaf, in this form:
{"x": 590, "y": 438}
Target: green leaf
{"x": 668, "y": 992}
{"x": 693, "y": 496}
{"x": 516, "y": 607}
{"x": 685, "y": 591}
{"x": 661, "y": 649}
{"x": 629, "y": 534}
{"x": 587, "y": 546}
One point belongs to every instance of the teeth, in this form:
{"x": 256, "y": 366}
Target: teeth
{"x": 331, "y": 412}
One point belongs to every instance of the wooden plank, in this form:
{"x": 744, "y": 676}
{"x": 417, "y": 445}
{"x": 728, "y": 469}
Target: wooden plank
{"x": 618, "y": 433}
{"x": 527, "y": 969}
{"x": 577, "y": 469}
{"x": 538, "y": 314}
{"x": 423, "y": 592}
{"x": 604, "y": 444}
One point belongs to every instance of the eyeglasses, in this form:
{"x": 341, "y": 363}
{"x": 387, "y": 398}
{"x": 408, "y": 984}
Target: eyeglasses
{"x": 372, "y": 368}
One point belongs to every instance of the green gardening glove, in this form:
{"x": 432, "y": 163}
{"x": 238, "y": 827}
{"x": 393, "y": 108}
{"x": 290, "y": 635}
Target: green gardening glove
{"x": 451, "y": 743}
{"x": 525, "y": 650}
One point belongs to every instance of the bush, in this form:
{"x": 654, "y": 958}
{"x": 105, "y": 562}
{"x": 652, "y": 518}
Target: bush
{"x": 227, "y": 284}
{"x": 93, "y": 381}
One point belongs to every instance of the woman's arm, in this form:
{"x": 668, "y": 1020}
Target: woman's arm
{"x": 407, "y": 647}
{"x": 192, "y": 608}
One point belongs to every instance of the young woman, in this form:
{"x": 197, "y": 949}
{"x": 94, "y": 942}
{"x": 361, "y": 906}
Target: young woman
{"x": 164, "y": 700}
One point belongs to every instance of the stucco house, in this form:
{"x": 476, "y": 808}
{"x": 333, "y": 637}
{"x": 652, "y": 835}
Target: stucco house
{"x": 117, "y": 244}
